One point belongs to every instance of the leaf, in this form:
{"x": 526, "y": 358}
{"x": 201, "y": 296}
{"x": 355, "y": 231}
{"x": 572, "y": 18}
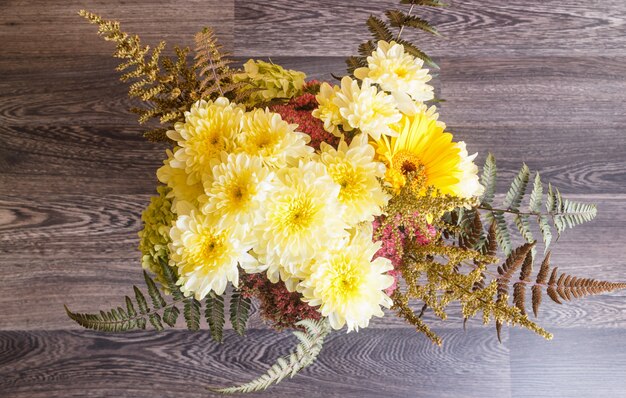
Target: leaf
{"x": 153, "y": 291}
{"x": 141, "y": 301}
{"x": 536, "y": 196}
{"x": 214, "y": 314}
{"x": 191, "y": 312}
{"x": 517, "y": 190}
{"x": 502, "y": 231}
{"x": 309, "y": 346}
{"x": 546, "y": 231}
{"x": 239, "y": 312}
{"x": 416, "y": 52}
{"x": 523, "y": 226}
{"x": 170, "y": 315}
{"x": 379, "y": 29}
{"x": 488, "y": 180}
{"x": 429, "y": 3}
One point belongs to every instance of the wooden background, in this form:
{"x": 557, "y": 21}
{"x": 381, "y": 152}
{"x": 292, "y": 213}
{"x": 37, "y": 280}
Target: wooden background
{"x": 541, "y": 82}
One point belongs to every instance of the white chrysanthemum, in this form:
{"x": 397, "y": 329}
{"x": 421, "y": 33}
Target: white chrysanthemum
{"x": 184, "y": 195}
{"x": 236, "y": 193}
{"x": 354, "y": 169}
{"x": 327, "y": 111}
{"x": 469, "y": 183}
{"x": 276, "y": 142}
{"x": 302, "y": 216}
{"x": 348, "y": 286}
{"x": 206, "y": 257}
{"x": 397, "y": 71}
{"x": 209, "y": 129}
{"x": 367, "y": 109}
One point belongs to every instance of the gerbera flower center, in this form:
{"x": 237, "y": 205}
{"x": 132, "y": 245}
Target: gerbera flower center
{"x": 406, "y": 162}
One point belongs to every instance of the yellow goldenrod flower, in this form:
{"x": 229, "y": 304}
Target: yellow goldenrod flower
{"x": 422, "y": 145}
{"x": 348, "y": 285}
{"x": 354, "y": 169}
{"x": 366, "y": 108}
{"x": 276, "y": 142}
{"x": 209, "y": 129}
{"x": 397, "y": 71}
{"x": 206, "y": 257}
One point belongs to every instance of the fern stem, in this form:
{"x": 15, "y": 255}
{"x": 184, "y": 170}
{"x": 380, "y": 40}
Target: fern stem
{"x": 402, "y": 27}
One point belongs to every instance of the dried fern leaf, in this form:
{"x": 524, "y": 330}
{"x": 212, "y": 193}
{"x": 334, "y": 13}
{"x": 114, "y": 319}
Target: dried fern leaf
{"x": 311, "y": 341}
{"x": 239, "y": 312}
{"x": 214, "y": 315}
{"x": 488, "y": 180}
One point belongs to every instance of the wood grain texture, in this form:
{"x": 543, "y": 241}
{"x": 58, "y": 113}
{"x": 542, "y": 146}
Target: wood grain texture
{"x": 391, "y": 363}
{"x": 540, "y": 82}
{"x": 477, "y": 28}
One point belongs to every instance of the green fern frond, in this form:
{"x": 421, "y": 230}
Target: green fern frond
{"x": 517, "y": 190}
{"x": 311, "y": 341}
{"x": 398, "y": 19}
{"x": 239, "y": 311}
{"x": 214, "y": 315}
{"x": 488, "y": 180}
{"x": 379, "y": 28}
{"x": 191, "y": 311}
{"x": 536, "y": 196}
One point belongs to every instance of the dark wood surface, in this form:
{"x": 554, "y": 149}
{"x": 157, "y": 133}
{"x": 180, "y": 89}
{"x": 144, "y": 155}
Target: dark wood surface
{"x": 541, "y": 82}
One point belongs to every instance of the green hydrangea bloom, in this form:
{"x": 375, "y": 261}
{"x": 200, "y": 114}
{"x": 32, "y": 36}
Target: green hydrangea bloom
{"x": 270, "y": 81}
{"x": 157, "y": 219}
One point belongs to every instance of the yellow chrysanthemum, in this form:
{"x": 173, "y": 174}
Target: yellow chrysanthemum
{"x": 348, "y": 286}
{"x": 183, "y": 194}
{"x": 276, "y": 142}
{"x": 236, "y": 193}
{"x": 303, "y": 215}
{"x": 397, "y": 71}
{"x": 423, "y": 145}
{"x": 366, "y": 108}
{"x": 327, "y": 111}
{"x": 209, "y": 129}
{"x": 206, "y": 257}
{"x": 354, "y": 169}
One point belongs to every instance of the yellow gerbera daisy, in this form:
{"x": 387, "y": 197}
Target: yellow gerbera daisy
{"x": 348, "y": 285}
{"x": 422, "y": 145}
{"x": 206, "y": 257}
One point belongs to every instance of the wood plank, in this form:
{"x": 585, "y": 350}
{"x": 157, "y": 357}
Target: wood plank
{"x": 81, "y": 250}
{"x": 52, "y": 27}
{"x": 470, "y": 27}
{"x": 577, "y": 363}
{"x": 393, "y": 363}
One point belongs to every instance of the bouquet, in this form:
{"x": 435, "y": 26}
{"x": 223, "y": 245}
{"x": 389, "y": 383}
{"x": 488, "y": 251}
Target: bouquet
{"x": 327, "y": 204}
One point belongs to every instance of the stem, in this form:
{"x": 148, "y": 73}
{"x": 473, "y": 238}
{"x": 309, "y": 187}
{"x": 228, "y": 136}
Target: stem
{"x": 402, "y": 27}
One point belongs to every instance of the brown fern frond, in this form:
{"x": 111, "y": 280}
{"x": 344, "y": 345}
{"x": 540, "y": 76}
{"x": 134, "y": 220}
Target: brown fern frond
{"x": 527, "y": 267}
{"x": 513, "y": 262}
{"x": 542, "y": 276}
{"x": 537, "y": 293}
{"x": 491, "y": 249}
{"x": 519, "y": 296}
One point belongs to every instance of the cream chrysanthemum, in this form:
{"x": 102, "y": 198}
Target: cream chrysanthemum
{"x": 354, "y": 169}
{"x": 365, "y": 108}
{"x": 205, "y": 256}
{"x": 327, "y": 111}
{"x": 183, "y": 194}
{"x": 303, "y": 216}
{"x": 397, "y": 71}
{"x": 276, "y": 142}
{"x": 469, "y": 184}
{"x": 348, "y": 286}
{"x": 209, "y": 129}
{"x": 236, "y": 193}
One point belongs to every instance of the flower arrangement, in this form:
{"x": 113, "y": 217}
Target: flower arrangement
{"x": 326, "y": 204}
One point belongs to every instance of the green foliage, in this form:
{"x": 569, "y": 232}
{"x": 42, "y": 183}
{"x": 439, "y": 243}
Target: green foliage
{"x": 564, "y": 213}
{"x": 239, "y": 311}
{"x": 392, "y": 28}
{"x": 160, "y": 311}
{"x": 311, "y": 340}
{"x": 214, "y": 315}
